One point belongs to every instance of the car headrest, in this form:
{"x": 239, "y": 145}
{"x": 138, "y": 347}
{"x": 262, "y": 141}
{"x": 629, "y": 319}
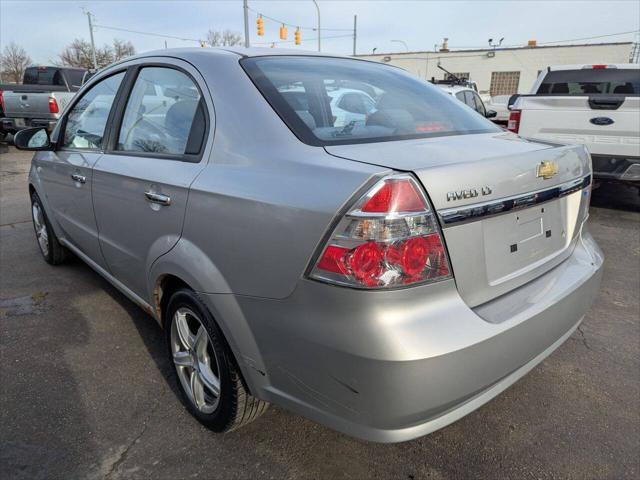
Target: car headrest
{"x": 626, "y": 88}
{"x": 180, "y": 117}
{"x": 392, "y": 118}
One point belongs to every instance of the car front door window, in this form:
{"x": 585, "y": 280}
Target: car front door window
{"x": 87, "y": 120}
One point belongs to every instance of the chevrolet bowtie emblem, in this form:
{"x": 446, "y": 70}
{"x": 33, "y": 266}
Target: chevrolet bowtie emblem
{"x": 546, "y": 169}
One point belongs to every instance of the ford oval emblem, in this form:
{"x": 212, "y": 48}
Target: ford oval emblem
{"x": 601, "y": 121}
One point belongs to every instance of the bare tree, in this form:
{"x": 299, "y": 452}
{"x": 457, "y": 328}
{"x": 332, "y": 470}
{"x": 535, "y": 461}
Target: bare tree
{"x": 78, "y": 53}
{"x": 226, "y": 38}
{"x": 13, "y": 62}
{"x": 122, "y": 49}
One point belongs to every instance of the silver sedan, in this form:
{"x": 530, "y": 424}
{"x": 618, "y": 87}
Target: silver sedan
{"x": 383, "y": 275}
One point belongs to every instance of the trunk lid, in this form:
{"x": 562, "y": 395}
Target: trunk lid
{"x": 467, "y": 177}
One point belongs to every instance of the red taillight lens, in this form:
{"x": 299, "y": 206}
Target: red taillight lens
{"x": 514, "y": 121}
{"x": 389, "y": 238}
{"x": 598, "y": 67}
{"x": 395, "y": 196}
{"x": 366, "y": 263}
{"x": 1, "y": 101}
{"x": 53, "y": 105}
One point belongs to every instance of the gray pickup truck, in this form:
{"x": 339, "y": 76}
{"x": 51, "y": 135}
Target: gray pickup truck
{"x": 41, "y": 98}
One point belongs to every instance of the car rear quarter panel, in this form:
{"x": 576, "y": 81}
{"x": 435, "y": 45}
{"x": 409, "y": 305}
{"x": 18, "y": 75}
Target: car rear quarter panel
{"x": 263, "y": 203}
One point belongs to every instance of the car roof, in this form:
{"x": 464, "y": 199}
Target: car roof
{"x": 235, "y": 50}
{"x": 453, "y": 88}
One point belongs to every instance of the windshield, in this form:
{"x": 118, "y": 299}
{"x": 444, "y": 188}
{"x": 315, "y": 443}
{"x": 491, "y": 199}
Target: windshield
{"x": 333, "y": 101}
{"x": 589, "y": 81}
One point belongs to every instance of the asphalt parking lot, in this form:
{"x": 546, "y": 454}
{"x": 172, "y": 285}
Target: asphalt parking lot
{"x": 86, "y": 390}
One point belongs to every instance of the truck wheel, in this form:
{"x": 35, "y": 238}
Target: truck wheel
{"x": 50, "y": 247}
{"x": 211, "y": 385}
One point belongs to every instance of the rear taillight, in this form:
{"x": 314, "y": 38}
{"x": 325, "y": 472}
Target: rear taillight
{"x": 513, "y": 125}
{"x": 1, "y": 101}
{"x": 53, "y": 105}
{"x": 389, "y": 238}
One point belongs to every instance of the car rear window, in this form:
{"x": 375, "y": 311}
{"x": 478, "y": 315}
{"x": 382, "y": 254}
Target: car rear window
{"x": 43, "y": 76}
{"x": 334, "y": 101}
{"x": 590, "y": 81}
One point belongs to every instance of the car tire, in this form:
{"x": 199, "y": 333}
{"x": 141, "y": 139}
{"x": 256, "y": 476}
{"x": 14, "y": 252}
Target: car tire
{"x": 204, "y": 363}
{"x": 50, "y": 248}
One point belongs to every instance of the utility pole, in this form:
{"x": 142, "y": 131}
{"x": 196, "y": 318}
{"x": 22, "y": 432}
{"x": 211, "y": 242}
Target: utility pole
{"x": 246, "y": 23}
{"x": 93, "y": 43}
{"x": 355, "y": 26}
{"x": 318, "y": 9}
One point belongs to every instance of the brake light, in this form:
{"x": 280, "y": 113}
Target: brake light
{"x": 1, "y": 100}
{"x": 389, "y": 238}
{"x": 598, "y": 67}
{"x": 53, "y": 105}
{"x": 513, "y": 125}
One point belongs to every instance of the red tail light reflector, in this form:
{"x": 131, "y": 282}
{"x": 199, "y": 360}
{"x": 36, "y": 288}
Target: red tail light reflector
{"x": 53, "y": 105}
{"x": 389, "y": 238}
{"x": 513, "y": 125}
{"x": 395, "y": 196}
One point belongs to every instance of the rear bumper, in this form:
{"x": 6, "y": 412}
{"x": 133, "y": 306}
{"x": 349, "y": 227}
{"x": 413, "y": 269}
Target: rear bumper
{"x": 393, "y": 366}
{"x": 13, "y": 125}
{"x": 609, "y": 167}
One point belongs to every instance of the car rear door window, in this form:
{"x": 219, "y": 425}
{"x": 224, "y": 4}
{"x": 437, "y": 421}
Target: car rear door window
{"x": 162, "y": 123}
{"x": 87, "y": 120}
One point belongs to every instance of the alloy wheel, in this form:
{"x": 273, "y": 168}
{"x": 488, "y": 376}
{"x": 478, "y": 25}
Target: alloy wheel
{"x": 42, "y": 234}
{"x": 195, "y": 360}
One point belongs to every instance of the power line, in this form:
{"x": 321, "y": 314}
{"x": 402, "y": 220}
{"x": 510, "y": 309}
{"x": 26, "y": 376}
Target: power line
{"x": 293, "y": 25}
{"x": 302, "y": 40}
{"x": 148, "y": 33}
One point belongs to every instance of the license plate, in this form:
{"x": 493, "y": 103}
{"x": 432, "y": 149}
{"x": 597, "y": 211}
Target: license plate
{"x": 19, "y": 122}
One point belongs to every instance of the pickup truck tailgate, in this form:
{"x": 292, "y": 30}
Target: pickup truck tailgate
{"x": 607, "y": 125}
{"x": 28, "y": 104}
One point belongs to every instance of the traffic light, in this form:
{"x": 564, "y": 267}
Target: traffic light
{"x": 260, "y": 24}
{"x": 283, "y": 32}
{"x": 297, "y": 37}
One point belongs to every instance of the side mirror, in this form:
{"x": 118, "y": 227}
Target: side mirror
{"x": 34, "y": 139}
{"x": 491, "y": 114}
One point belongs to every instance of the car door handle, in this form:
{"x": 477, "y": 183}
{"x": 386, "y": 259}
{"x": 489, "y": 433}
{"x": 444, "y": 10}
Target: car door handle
{"x": 76, "y": 177}
{"x": 158, "y": 198}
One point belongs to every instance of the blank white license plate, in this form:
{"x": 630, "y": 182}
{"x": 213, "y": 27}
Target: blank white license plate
{"x": 19, "y": 122}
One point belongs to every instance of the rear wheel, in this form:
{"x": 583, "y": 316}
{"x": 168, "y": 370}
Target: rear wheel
{"x": 50, "y": 247}
{"x": 210, "y": 381}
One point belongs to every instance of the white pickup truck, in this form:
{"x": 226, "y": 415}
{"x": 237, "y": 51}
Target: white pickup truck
{"x": 594, "y": 105}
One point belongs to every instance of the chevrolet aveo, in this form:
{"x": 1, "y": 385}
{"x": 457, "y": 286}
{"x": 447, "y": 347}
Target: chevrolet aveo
{"x": 330, "y": 235}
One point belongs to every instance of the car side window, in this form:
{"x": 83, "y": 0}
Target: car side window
{"x": 460, "y": 96}
{"x": 479, "y": 106}
{"x": 162, "y": 123}
{"x": 87, "y": 120}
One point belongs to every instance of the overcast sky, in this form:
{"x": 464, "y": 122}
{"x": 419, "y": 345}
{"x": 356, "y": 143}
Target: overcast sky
{"x": 45, "y": 27}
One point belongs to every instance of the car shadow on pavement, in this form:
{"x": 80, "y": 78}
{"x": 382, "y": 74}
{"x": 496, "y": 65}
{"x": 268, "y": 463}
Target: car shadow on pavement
{"x": 616, "y": 196}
